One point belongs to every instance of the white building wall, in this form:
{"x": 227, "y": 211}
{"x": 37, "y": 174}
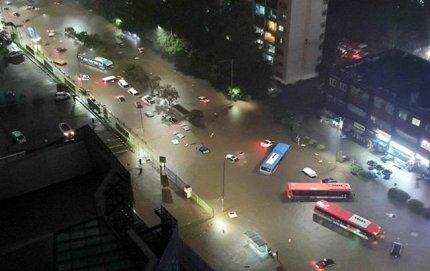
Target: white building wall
{"x": 304, "y": 40}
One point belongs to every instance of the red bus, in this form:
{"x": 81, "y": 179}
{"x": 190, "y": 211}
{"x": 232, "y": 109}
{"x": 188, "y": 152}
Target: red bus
{"x": 319, "y": 191}
{"x": 347, "y": 220}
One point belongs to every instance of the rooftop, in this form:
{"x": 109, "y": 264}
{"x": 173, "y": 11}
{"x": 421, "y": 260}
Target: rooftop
{"x": 401, "y": 74}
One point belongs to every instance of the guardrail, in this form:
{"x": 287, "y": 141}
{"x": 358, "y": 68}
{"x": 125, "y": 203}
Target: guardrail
{"x": 109, "y": 120}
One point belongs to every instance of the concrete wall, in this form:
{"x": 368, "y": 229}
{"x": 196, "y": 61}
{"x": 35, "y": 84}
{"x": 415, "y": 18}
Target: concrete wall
{"x": 304, "y": 39}
{"x": 44, "y": 168}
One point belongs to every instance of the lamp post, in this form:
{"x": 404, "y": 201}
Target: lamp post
{"x": 223, "y": 186}
{"x": 231, "y": 70}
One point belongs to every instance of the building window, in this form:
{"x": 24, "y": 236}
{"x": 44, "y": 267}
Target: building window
{"x": 416, "y": 122}
{"x": 319, "y": 59}
{"x": 280, "y": 28}
{"x": 282, "y": 5}
{"x": 260, "y": 9}
{"x": 425, "y": 145}
{"x": 322, "y": 36}
{"x": 403, "y": 114}
{"x": 343, "y": 86}
{"x": 271, "y": 49}
{"x": 358, "y": 111}
{"x": 378, "y": 102}
{"x": 324, "y": 13}
{"x": 322, "y": 24}
{"x": 332, "y": 82}
{"x": 325, "y": 2}
{"x": 259, "y": 42}
{"x": 365, "y": 97}
{"x": 269, "y": 37}
{"x": 271, "y": 25}
{"x": 320, "y": 47}
{"x": 389, "y": 108}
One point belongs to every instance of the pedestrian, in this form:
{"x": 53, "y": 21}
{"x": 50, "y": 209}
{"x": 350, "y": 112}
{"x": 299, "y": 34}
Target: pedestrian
{"x": 140, "y": 170}
{"x": 212, "y": 134}
{"x": 140, "y": 161}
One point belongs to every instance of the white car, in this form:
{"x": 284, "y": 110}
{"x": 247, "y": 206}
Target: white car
{"x": 185, "y": 127}
{"x": 66, "y": 130}
{"x": 310, "y": 172}
{"x": 51, "y": 32}
{"x": 148, "y": 100}
{"x": 232, "y": 157}
{"x": 175, "y": 141}
{"x": 149, "y": 114}
{"x": 18, "y": 137}
{"x": 84, "y": 77}
{"x": 267, "y": 143}
{"x": 204, "y": 99}
{"x": 180, "y": 136}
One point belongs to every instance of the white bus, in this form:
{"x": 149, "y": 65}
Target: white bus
{"x": 98, "y": 62}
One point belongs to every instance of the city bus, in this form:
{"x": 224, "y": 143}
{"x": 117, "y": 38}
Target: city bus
{"x": 98, "y": 62}
{"x": 33, "y": 34}
{"x": 335, "y": 191}
{"x": 347, "y": 220}
{"x": 272, "y": 161}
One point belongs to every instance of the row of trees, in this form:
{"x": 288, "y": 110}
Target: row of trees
{"x": 202, "y": 37}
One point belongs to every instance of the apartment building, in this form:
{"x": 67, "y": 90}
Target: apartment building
{"x": 384, "y": 101}
{"x": 291, "y": 36}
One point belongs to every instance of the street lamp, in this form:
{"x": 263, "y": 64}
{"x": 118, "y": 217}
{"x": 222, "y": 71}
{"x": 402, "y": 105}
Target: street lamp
{"x": 139, "y": 106}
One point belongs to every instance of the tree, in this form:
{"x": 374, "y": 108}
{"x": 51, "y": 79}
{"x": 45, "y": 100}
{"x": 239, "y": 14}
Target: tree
{"x": 154, "y": 84}
{"x": 168, "y": 93}
{"x": 134, "y": 72}
{"x": 196, "y": 118}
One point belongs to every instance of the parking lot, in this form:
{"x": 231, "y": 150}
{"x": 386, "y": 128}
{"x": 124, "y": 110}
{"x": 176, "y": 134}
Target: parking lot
{"x": 236, "y": 127}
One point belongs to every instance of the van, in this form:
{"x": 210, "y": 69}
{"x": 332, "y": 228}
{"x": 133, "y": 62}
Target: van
{"x": 133, "y": 92}
{"x": 396, "y": 249}
{"x": 14, "y": 51}
{"x": 122, "y": 83}
{"x": 109, "y": 79}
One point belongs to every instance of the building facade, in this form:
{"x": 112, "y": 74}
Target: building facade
{"x": 384, "y": 102}
{"x": 291, "y": 36}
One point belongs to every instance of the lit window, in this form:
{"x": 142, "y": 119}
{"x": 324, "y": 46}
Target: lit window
{"x": 343, "y": 86}
{"x": 271, "y": 49}
{"x": 259, "y": 41}
{"x": 269, "y": 37}
{"x": 260, "y": 10}
{"x": 416, "y": 122}
{"x": 268, "y": 58}
{"x": 425, "y": 145}
{"x": 280, "y": 28}
{"x": 259, "y": 30}
{"x": 271, "y": 25}
{"x": 332, "y": 82}
{"x": 389, "y": 108}
{"x": 403, "y": 115}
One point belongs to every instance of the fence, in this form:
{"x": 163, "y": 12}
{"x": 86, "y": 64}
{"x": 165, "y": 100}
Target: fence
{"x": 109, "y": 120}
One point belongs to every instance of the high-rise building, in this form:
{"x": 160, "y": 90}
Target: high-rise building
{"x": 292, "y": 34}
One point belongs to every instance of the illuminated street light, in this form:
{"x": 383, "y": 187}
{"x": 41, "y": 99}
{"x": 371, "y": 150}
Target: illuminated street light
{"x": 117, "y": 22}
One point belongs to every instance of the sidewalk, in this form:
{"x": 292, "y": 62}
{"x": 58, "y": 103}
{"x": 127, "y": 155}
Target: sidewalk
{"x": 329, "y": 136}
